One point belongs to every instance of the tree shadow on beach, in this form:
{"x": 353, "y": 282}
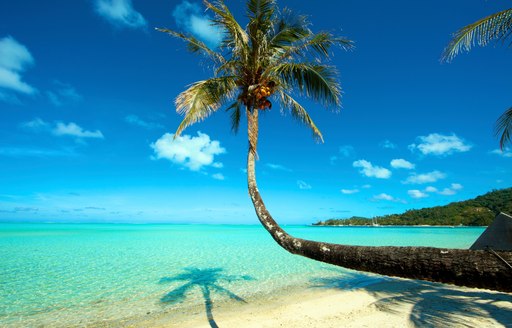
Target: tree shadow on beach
{"x": 207, "y": 280}
{"x": 433, "y": 304}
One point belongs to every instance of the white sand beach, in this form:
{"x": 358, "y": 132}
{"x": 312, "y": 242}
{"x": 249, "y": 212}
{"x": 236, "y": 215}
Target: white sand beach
{"x": 382, "y": 302}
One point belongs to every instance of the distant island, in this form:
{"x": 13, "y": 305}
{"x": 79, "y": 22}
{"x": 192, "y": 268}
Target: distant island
{"x": 479, "y": 211}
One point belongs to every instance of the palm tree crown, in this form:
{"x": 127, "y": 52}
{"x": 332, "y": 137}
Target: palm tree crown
{"x": 275, "y": 57}
{"x": 495, "y": 27}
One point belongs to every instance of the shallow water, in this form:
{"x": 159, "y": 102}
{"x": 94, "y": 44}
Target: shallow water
{"x": 82, "y": 274}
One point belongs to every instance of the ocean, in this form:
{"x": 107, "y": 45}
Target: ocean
{"x": 61, "y": 275}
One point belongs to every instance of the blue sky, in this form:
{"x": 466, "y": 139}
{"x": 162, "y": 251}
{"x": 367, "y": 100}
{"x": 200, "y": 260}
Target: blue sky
{"x": 87, "y": 116}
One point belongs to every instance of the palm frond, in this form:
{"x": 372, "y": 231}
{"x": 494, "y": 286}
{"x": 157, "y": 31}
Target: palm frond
{"x": 194, "y": 45}
{"x": 203, "y": 98}
{"x": 289, "y": 29}
{"x": 260, "y": 14}
{"x": 236, "y": 115}
{"x": 299, "y": 113}
{"x": 237, "y": 38}
{"x": 494, "y": 27}
{"x": 313, "y": 80}
{"x": 503, "y": 128}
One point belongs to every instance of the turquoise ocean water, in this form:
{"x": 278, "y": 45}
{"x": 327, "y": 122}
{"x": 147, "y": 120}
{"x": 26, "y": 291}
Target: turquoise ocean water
{"x": 86, "y": 274}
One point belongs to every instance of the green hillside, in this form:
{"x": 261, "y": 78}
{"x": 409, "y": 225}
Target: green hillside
{"x": 479, "y": 211}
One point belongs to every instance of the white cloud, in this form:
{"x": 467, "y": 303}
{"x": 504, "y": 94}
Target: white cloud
{"x": 135, "y": 120}
{"x": 14, "y": 59}
{"x": 452, "y": 190}
{"x": 218, "y": 165}
{"x": 303, "y": 185}
{"x": 61, "y": 129}
{"x": 72, "y": 129}
{"x": 402, "y": 164}
{"x": 438, "y": 144}
{"x": 369, "y": 170}
{"x": 36, "y": 124}
{"x": 384, "y": 196}
{"x": 120, "y": 13}
{"x": 425, "y": 177}
{"x": 431, "y": 189}
{"x": 278, "y": 167}
{"x": 387, "y": 144}
{"x": 193, "y": 153}
{"x": 456, "y": 186}
{"x": 503, "y": 153}
{"x": 189, "y": 16}
{"x": 349, "y": 191}
{"x": 366, "y": 186}
{"x": 218, "y": 176}
{"x": 415, "y": 193}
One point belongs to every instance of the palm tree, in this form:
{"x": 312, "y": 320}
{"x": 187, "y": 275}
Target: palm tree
{"x": 495, "y": 27}
{"x": 275, "y": 57}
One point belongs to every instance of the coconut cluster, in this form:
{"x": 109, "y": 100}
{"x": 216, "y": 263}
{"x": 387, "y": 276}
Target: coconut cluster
{"x": 261, "y": 94}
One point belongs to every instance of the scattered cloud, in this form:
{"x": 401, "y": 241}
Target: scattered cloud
{"x": 14, "y": 59}
{"x": 36, "y": 124}
{"x": 193, "y": 153}
{"x": 189, "y": 16}
{"x": 387, "y": 144}
{"x": 303, "y": 185}
{"x": 72, "y": 129}
{"x": 415, "y": 193}
{"x": 438, "y": 144}
{"x": 218, "y": 176}
{"x": 369, "y": 170}
{"x": 387, "y": 197}
{"x": 277, "y": 167}
{"x": 63, "y": 94}
{"x": 135, "y": 120}
{"x": 366, "y": 186}
{"x": 349, "y": 191}
{"x": 424, "y": 178}
{"x": 431, "y": 189}
{"x": 402, "y": 164}
{"x": 383, "y": 196}
{"x": 503, "y": 153}
{"x": 61, "y": 129}
{"x": 452, "y": 190}
{"x": 120, "y": 13}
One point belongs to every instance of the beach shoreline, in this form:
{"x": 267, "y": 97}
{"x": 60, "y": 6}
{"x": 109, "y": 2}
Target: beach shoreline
{"x": 349, "y": 303}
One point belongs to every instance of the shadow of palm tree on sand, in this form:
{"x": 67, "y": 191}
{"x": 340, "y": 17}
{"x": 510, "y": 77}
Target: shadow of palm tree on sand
{"x": 433, "y": 304}
{"x": 207, "y": 281}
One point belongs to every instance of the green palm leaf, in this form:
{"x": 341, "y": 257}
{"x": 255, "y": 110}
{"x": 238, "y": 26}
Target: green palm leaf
{"x": 194, "y": 45}
{"x": 312, "y": 80}
{"x": 504, "y": 128}
{"x": 494, "y": 27}
{"x": 236, "y": 38}
{"x": 202, "y": 99}
{"x": 298, "y": 112}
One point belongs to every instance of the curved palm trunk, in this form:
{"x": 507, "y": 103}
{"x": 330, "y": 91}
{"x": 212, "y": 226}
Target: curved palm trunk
{"x": 461, "y": 267}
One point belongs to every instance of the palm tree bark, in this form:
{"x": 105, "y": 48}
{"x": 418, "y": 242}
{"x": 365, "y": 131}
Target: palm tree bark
{"x": 480, "y": 269}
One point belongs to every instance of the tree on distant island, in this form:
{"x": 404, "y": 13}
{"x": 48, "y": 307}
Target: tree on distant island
{"x": 479, "y": 211}
{"x": 495, "y": 27}
{"x": 275, "y": 58}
